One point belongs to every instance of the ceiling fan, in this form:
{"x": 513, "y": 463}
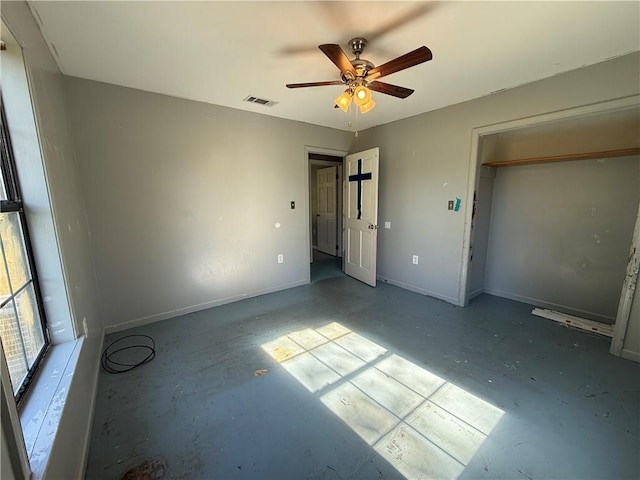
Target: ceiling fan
{"x": 360, "y": 75}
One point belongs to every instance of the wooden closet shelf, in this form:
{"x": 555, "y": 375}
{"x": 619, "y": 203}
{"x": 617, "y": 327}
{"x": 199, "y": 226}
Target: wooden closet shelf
{"x": 623, "y": 152}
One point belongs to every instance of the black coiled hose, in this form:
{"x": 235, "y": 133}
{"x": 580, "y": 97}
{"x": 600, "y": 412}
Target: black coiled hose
{"x": 112, "y": 366}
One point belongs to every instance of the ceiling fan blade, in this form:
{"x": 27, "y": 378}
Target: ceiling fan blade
{"x": 393, "y": 90}
{"x": 409, "y": 16}
{"x": 314, "y": 84}
{"x": 419, "y": 55}
{"x": 338, "y": 57}
{"x": 298, "y": 49}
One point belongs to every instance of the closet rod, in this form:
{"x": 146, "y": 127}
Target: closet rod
{"x": 623, "y": 152}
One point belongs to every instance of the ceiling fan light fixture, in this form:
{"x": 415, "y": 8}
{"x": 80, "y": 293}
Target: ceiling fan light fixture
{"x": 367, "y": 106}
{"x": 361, "y": 95}
{"x": 358, "y": 73}
{"x": 343, "y": 101}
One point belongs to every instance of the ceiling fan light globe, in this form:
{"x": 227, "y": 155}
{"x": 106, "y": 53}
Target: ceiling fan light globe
{"x": 361, "y": 95}
{"x": 343, "y": 101}
{"x": 367, "y": 106}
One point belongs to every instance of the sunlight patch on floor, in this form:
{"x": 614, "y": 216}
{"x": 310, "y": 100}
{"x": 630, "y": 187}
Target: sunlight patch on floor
{"x": 423, "y": 425}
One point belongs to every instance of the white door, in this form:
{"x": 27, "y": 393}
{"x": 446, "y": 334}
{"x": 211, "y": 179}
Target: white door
{"x": 327, "y": 179}
{"x": 360, "y": 206}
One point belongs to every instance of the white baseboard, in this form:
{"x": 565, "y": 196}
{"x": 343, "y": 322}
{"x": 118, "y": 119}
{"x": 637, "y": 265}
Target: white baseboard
{"x": 552, "y": 306}
{"x": 476, "y": 293}
{"x": 413, "y": 288}
{"x": 576, "y": 322}
{"x": 138, "y": 322}
{"x": 630, "y": 355}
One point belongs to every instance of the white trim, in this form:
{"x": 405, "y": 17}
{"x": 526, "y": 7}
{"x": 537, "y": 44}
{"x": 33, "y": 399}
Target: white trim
{"x": 554, "y": 306}
{"x": 573, "y": 321}
{"x": 628, "y": 290}
{"x": 422, "y": 291}
{"x": 23, "y": 111}
{"x": 12, "y": 429}
{"x": 321, "y": 151}
{"x": 44, "y": 443}
{"x": 138, "y": 322}
{"x": 474, "y": 167}
{"x": 472, "y": 186}
{"x": 629, "y": 355}
{"x": 476, "y": 293}
{"x": 67, "y": 399}
{"x": 327, "y": 163}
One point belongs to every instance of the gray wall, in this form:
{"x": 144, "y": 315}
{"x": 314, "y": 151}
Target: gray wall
{"x": 560, "y": 234}
{"x": 590, "y": 133}
{"x": 183, "y": 199}
{"x": 424, "y": 162}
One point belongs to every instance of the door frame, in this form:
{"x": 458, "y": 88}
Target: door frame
{"x": 475, "y": 158}
{"x": 307, "y": 198}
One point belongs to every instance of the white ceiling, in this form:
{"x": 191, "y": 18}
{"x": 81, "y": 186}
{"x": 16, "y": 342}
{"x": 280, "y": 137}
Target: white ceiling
{"x": 221, "y": 52}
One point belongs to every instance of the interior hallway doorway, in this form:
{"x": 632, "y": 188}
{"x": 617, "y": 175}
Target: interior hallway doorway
{"x": 325, "y": 224}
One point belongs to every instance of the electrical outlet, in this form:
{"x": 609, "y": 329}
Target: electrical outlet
{"x": 387, "y": 224}
{"x": 280, "y": 258}
{"x": 293, "y": 205}
{"x": 450, "y": 205}
{"x": 415, "y": 259}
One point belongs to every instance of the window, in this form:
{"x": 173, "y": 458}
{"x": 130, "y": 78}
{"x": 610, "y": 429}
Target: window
{"x": 22, "y": 322}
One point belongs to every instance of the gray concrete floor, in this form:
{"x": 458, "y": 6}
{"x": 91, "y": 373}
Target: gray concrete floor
{"x": 325, "y": 266}
{"x": 198, "y": 410}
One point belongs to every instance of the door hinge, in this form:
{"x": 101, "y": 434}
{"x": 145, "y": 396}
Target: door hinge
{"x": 336, "y": 247}
{"x": 337, "y": 176}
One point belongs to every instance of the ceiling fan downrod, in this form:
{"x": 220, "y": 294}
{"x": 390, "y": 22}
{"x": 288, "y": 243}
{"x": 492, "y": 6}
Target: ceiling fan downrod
{"x": 360, "y": 65}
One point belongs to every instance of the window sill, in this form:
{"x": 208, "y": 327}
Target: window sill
{"x": 42, "y": 409}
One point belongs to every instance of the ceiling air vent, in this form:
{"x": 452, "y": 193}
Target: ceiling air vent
{"x": 260, "y": 101}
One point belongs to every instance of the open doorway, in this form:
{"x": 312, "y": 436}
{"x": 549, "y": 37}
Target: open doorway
{"x": 554, "y": 228}
{"x": 325, "y": 214}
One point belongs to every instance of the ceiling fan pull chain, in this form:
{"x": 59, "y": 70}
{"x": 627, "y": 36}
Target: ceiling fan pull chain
{"x": 355, "y": 123}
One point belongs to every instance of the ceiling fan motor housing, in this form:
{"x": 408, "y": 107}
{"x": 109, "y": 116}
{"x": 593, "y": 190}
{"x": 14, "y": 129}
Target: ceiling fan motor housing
{"x": 357, "y": 45}
{"x": 360, "y": 65}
